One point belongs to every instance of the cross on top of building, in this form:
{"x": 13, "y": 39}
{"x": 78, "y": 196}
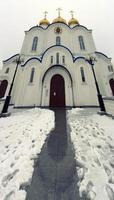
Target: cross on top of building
{"x": 45, "y": 14}
{"x": 59, "y": 11}
{"x": 72, "y": 13}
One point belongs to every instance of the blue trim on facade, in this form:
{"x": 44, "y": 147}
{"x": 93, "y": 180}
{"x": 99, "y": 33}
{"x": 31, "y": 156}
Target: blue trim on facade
{"x": 58, "y": 23}
{"x": 33, "y": 28}
{"x": 80, "y": 57}
{"x": 58, "y": 46}
{"x": 40, "y": 60}
{"x": 58, "y": 65}
{"x": 10, "y": 57}
{"x": 102, "y": 54}
{"x": 33, "y": 58}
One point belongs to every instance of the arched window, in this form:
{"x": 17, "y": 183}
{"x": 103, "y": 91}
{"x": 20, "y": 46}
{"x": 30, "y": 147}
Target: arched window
{"x": 57, "y": 58}
{"x": 112, "y": 85}
{"x": 81, "y": 42}
{"x": 34, "y": 44}
{"x": 58, "y": 40}
{"x": 51, "y": 59}
{"x": 63, "y": 59}
{"x": 32, "y": 74}
{"x": 7, "y": 70}
{"x": 82, "y": 74}
{"x": 110, "y": 68}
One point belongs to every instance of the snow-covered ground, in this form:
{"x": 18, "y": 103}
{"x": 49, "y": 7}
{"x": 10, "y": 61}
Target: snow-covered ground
{"x": 93, "y": 138}
{"x": 22, "y": 136}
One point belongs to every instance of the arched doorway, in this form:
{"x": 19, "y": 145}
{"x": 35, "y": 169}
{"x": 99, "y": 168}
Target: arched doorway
{"x": 112, "y": 85}
{"x": 57, "y": 91}
{"x": 3, "y": 87}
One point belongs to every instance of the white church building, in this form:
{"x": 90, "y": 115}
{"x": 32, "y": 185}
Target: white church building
{"x": 54, "y": 70}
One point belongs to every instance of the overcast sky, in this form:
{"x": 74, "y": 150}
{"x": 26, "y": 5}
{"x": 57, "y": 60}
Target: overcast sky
{"x": 16, "y": 16}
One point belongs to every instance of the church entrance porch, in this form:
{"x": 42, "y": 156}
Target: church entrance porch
{"x": 57, "y": 88}
{"x": 57, "y": 91}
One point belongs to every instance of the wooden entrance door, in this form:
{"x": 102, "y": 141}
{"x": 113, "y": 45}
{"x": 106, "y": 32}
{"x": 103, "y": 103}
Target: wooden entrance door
{"x": 3, "y": 87}
{"x": 112, "y": 85}
{"x": 57, "y": 91}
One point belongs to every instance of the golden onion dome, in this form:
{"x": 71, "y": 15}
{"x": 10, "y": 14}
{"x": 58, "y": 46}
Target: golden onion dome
{"x": 44, "y": 22}
{"x": 59, "y": 19}
{"x": 73, "y": 21}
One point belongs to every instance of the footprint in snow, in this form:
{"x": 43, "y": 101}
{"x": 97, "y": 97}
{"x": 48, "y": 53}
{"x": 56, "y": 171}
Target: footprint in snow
{"x": 107, "y": 170}
{"x": 25, "y": 186}
{"x": 7, "y": 137}
{"x": 12, "y": 164}
{"x": 89, "y": 188}
{"x": 96, "y": 160}
{"x": 102, "y": 131}
{"x": 7, "y": 178}
{"x": 110, "y": 138}
{"x": 110, "y": 192}
{"x": 98, "y": 133}
{"x": 83, "y": 158}
{"x": 19, "y": 142}
{"x": 111, "y": 178}
{"x": 9, "y": 195}
{"x": 33, "y": 145}
{"x": 88, "y": 193}
{"x": 112, "y": 162}
{"x": 94, "y": 135}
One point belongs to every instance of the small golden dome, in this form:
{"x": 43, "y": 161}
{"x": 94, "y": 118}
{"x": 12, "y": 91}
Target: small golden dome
{"x": 44, "y": 22}
{"x": 73, "y": 21}
{"x": 59, "y": 19}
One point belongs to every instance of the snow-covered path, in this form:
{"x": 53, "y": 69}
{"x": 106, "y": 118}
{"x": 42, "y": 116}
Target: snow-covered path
{"x": 22, "y": 136}
{"x": 93, "y": 138}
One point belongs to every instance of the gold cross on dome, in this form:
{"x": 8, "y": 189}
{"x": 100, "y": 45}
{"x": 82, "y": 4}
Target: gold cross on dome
{"x": 59, "y": 11}
{"x": 45, "y": 14}
{"x": 72, "y": 13}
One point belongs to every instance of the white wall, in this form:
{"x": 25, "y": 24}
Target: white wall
{"x": 109, "y": 105}
{"x": 47, "y": 38}
{"x": 85, "y": 92}
{"x": 103, "y": 74}
{"x": 38, "y": 93}
{"x": 81, "y": 94}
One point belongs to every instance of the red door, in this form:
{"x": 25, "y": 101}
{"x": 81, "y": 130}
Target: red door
{"x": 3, "y": 87}
{"x": 57, "y": 91}
{"x": 112, "y": 85}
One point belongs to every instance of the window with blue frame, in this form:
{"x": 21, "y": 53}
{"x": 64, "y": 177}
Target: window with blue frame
{"x": 32, "y": 75}
{"x": 7, "y": 70}
{"x": 110, "y": 68}
{"x": 35, "y": 43}
{"x": 57, "y": 58}
{"x": 81, "y": 42}
{"x": 63, "y": 59}
{"x": 82, "y": 74}
{"x": 51, "y": 59}
{"x": 58, "y": 40}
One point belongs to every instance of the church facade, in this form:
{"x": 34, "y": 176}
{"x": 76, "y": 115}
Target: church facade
{"x": 54, "y": 70}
